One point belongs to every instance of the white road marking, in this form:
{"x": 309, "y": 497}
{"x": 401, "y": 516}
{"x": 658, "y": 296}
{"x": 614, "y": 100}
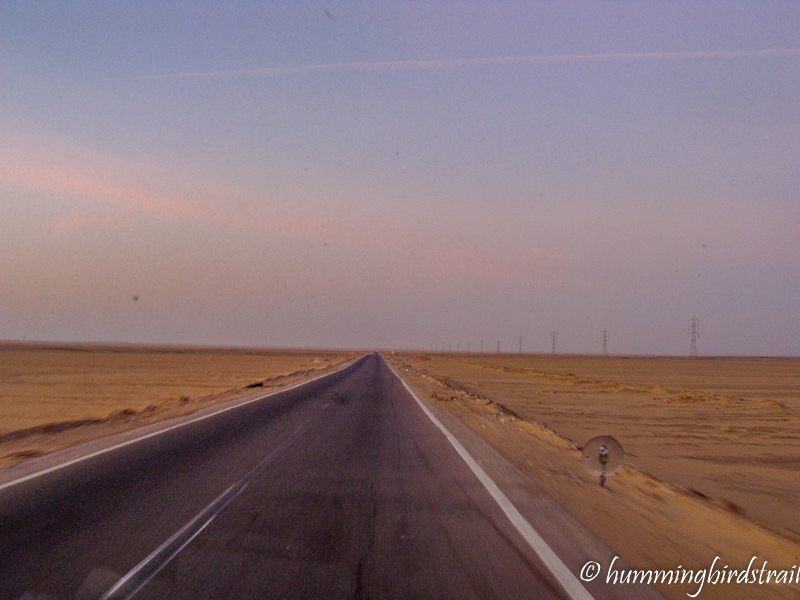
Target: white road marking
{"x": 138, "y": 577}
{"x": 141, "y": 574}
{"x": 63, "y": 465}
{"x": 560, "y": 571}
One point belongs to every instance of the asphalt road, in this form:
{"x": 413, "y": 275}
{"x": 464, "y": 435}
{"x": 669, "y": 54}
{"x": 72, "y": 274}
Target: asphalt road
{"x": 342, "y": 488}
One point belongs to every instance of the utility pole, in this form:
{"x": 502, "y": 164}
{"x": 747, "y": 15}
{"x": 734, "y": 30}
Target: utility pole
{"x": 467, "y": 346}
{"x": 694, "y": 331}
{"x": 458, "y": 348}
{"x": 605, "y": 342}
{"x": 553, "y": 345}
{"x": 498, "y": 346}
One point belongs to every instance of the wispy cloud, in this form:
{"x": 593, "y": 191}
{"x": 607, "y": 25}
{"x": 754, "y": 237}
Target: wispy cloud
{"x": 137, "y": 199}
{"x": 70, "y": 182}
{"x": 88, "y": 222}
{"x": 50, "y": 180}
{"x": 458, "y": 63}
{"x": 88, "y": 188}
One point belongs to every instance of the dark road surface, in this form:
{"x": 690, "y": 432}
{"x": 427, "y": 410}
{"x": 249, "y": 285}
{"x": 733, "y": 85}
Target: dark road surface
{"x": 349, "y": 491}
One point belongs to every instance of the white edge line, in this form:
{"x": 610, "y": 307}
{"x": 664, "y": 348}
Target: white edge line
{"x": 59, "y": 466}
{"x": 560, "y": 571}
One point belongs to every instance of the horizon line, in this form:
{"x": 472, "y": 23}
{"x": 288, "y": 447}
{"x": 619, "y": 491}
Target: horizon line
{"x": 455, "y": 63}
{"x": 110, "y": 345}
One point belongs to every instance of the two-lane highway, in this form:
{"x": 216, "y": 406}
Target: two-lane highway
{"x": 368, "y": 502}
{"x": 342, "y": 488}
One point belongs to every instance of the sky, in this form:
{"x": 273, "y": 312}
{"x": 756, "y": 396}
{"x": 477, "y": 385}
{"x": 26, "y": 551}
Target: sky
{"x": 402, "y": 175}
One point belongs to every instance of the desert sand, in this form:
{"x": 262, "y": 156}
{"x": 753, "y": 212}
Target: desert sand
{"x": 54, "y": 396}
{"x": 712, "y": 449}
{"x": 712, "y": 443}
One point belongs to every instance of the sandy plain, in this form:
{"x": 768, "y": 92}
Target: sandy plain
{"x": 713, "y": 450}
{"x": 713, "y": 445}
{"x": 55, "y": 396}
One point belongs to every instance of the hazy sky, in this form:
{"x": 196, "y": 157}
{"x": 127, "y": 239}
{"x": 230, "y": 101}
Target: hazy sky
{"x": 402, "y": 174}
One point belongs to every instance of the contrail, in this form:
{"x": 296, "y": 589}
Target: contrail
{"x": 458, "y": 63}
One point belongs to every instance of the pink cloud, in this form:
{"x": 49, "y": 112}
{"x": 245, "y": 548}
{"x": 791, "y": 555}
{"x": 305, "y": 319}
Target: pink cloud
{"x": 88, "y": 222}
{"x": 135, "y": 198}
{"x": 27, "y": 174}
{"x": 531, "y": 262}
{"x": 47, "y": 180}
{"x": 403, "y": 247}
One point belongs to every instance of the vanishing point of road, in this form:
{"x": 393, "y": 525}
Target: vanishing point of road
{"x": 342, "y": 487}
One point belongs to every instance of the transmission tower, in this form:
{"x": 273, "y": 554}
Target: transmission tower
{"x": 694, "y": 331}
{"x": 498, "y": 346}
{"x": 553, "y": 345}
{"x": 481, "y": 346}
{"x": 605, "y": 342}
{"x": 520, "y": 345}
